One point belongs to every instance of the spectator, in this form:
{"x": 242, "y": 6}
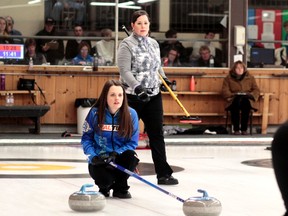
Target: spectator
{"x": 12, "y": 31}
{"x": 52, "y": 48}
{"x": 105, "y": 47}
{"x": 172, "y": 43}
{"x": 73, "y": 45}
{"x": 110, "y": 134}
{"x": 206, "y": 59}
{"x": 280, "y": 161}
{"x": 285, "y": 26}
{"x": 83, "y": 57}
{"x": 4, "y": 35}
{"x": 209, "y": 35}
{"x": 38, "y": 58}
{"x": 172, "y": 59}
{"x": 240, "y": 92}
{"x": 61, "y": 5}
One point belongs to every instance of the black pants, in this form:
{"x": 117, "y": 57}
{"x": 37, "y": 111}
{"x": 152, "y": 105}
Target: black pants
{"x": 108, "y": 177}
{"x": 240, "y": 104}
{"x": 280, "y": 161}
{"x": 151, "y": 114}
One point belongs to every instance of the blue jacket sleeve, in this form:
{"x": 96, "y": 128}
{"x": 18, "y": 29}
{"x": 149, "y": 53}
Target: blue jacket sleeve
{"x": 132, "y": 143}
{"x": 88, "y": 142}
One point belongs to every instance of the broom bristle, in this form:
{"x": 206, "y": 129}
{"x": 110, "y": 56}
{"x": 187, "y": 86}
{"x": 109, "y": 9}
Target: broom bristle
{"x": 190, "y": 120}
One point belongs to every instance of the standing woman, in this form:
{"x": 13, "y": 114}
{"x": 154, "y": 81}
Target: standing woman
{"x": 110, "y": 133}
{"x": 139, "y": 63}
{"x": 240, "y": 92}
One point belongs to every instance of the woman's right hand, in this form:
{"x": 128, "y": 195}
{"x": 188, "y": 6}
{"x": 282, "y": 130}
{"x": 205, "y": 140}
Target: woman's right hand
{"x": 96, "y": 161}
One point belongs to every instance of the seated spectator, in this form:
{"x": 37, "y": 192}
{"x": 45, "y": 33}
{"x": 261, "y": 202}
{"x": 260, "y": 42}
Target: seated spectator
{"x": 206, "y": 59}
{"x": 38, "y": 58}
{"x": 167, "y": 45}
{"x": 52, "y": 48}
{"x": 4, "y": 35}
{"x": 12, "y": 31}
{"x": 83, "y": 57}
{"x": 209, "y": 35}
{"x": 241, "y": 92}
{"x": 72, "y": 45}
{"x": 105, "y": 47}
{"x": 172, "y": 59}
{"x": 61, "y": 5}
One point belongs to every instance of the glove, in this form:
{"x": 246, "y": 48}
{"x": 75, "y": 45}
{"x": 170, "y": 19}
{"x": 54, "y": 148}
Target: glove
{"x": 97, "y": 161}
{"x": 111, "y": 158}
{"x": 168, "y": 82}
{"x": 141, "y": 93}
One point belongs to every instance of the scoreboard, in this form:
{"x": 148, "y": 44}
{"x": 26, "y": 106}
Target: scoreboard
{"x": 11, "y": 51}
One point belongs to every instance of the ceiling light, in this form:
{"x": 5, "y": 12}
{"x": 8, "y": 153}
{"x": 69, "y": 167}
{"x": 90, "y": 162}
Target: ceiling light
{"x": 128, "y": 4}
{"x": 145, "y": 1}
{"x": 34, "y": 2}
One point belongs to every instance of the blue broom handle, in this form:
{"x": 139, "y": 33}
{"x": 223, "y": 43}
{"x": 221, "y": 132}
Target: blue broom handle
{"x": 145, "y": 181}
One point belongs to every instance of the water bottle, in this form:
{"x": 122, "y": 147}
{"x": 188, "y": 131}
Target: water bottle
{"x": 211, "y": 61}
{"x": 174, "y": 85}
{"x": 2, "y": 82}
{"x": 11, "y": 99}
{"x": 7, "y": 99}
{"x": 31, "y": 63}
{"x": 95, "y": 62}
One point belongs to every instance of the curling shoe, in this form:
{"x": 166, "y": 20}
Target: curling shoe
{"x": 122, "y": 194}
{"x": 167, "y": 180}
{"x": 105, "y": 192}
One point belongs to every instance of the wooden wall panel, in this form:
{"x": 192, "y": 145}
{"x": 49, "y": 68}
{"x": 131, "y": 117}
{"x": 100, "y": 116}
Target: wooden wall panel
{"x": 62, "y": 85}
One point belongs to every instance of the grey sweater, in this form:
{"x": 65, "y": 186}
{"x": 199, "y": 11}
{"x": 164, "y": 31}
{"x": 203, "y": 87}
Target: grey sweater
{"x": 139, "y": 63}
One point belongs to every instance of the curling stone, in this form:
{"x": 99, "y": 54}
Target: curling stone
{"x": 202, "y": 206}
{"x": 87, "y": 201}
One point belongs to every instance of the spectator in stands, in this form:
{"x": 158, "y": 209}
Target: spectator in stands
{"x": 73, "y": 45}
{"x": 285, "y": 26}
{"x": 206, "y": 59}
{"x": 105, "y": 47}
{"x": 172, "y": 43}
{"x": 4, "y": 39}
{"x": 83, "y": 58}
{"x": 280, "y": 161}
{"x": 12, "y": 31}
{"x": 51, "y": 47}
{"x": 30, "y": 46}
{"x": 240, "y": 91}
{"x": 76, "y": 5}
{"x": 209, "y": 35}
{"x": 172, "y": 59}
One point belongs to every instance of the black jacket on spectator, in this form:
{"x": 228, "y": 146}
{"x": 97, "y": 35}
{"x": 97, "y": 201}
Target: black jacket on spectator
{"x": 52, "y": 56}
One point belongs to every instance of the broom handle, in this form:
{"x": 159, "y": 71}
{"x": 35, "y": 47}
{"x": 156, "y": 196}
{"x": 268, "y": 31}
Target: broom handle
{"x": 174, "y": 96}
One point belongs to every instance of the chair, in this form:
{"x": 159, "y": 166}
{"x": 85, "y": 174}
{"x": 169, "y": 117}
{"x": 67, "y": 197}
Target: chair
{"x": 252, "y": 110}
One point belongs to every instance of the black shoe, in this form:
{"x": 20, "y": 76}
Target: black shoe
{"x": 105, "y": 192}
{"x": 122, "y": 194}
{"x": 170, "y": 180}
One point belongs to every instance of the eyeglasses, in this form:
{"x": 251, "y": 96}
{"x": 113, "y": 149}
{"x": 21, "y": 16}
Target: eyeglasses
{"x": 84, "y": 50}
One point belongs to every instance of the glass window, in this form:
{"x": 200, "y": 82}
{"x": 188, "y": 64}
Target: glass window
{"x": 267, "y": 33}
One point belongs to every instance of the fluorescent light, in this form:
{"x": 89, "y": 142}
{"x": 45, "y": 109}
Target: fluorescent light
{"x": 128, "y": 4}
{"x": 34, "y": 2}
{"x": 130, "y": 7}
{"x": 102, "y": 4}
{"x": 144, "y": 1}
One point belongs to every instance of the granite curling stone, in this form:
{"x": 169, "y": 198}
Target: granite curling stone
{"x": 202, "y": 206}
{"x": 87, "y": 201}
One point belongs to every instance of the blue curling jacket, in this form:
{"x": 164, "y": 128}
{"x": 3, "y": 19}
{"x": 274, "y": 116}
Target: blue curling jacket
{"x": 102, "y": 143}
